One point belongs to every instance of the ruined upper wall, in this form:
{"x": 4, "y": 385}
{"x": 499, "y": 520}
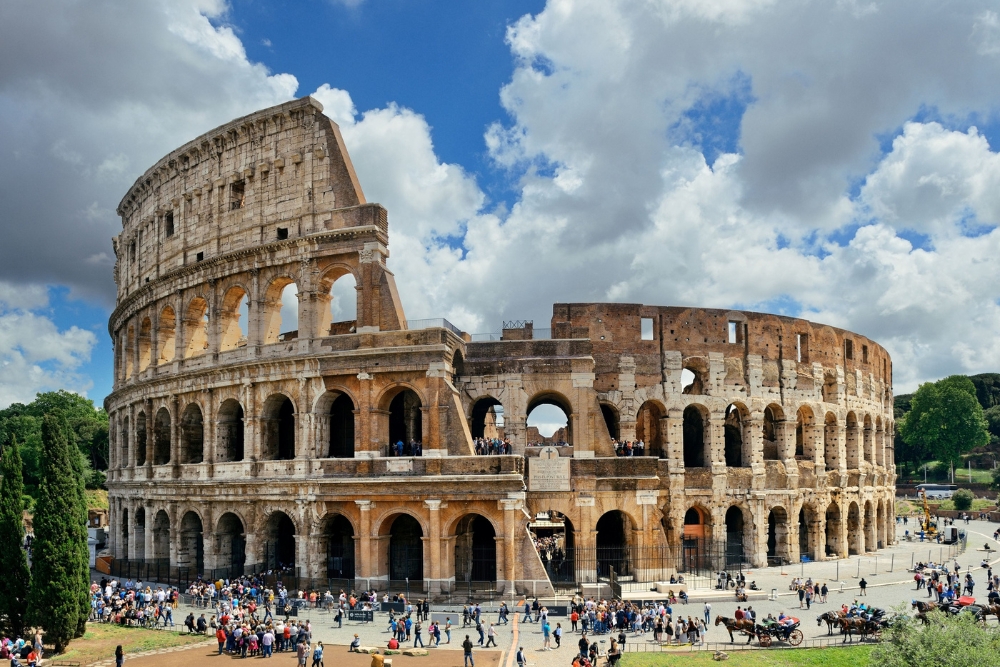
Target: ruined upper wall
{"x": 279, "y": 173}
{"x": 615, "y": 329}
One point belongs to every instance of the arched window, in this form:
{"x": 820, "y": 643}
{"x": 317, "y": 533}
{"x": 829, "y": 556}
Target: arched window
{"x": 161, "y": 437}
{"x": 343, "y": 305}
{"x": 734, "y": 537}
{"x": 487, "y": 418}
{"x": 196, "y": 327}
{"x": 647, "y": 428}
{"x": 233, "y": 320}
{"x": 161, "y": 537}
{"x": 191, "y": 548}
{"x": 231, "y": 540}
{"x": 342, "y": 428}
{"x": 192, "y": 435}
{"x": 475, "y": 550}
{"x": 406, "y": 549}
{"x": 831, "y": 442}
{"x": 777, "y": 536}
{"x": 771, "y": 418}
{"x": 610, "y": 414}
{"x": 734, "y": 437}
{"x": 230, "y": 434}
{"x": 339, "y": 536}
{"x": 123, "y": 445}
{"x": 127, "y": 351}
{"x": 548, "y": 421}
{"x": 279, "y": 544}
{"x": 281, "y": 311}
{"x": 145, "y": 342}
{"x": 613, "y": 530}
{"x": 279, "y": 428}
{"x": 140, "y": 439}
{"x": 166, "y": 336}
{"x": 405, "y": 420}
{"x": 694, "y": 437}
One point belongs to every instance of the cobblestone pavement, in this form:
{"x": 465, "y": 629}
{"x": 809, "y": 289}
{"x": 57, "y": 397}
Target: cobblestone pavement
{"x": 890, "y": 583}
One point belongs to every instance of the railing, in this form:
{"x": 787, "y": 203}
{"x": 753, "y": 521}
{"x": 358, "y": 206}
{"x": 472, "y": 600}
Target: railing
{"x": 434, "y": 322}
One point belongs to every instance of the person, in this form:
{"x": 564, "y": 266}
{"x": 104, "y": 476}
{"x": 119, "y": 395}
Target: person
{"x": 339, "y": 618}
{"x": 708, "y": 612}
{"x": 527, "y": 612}
{"x": 863, "y": 584}
{"x": 355, "y": 644}
{"x": 220, "y": 636}
{"x": 584, "y": 645}
{"x": 557, "y": 633}
{"x": 546, "y": 632}
{"x": 521, "y": 660}
{"x": 417, "y": 628}
{"x": 119, "y": 656}
{"x": 467, "y": 650}
{"x": 318, "y": 655}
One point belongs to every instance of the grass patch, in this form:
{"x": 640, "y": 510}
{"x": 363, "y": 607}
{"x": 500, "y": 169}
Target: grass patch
{"x": 977, "y": 504}
{"x": 100, "y": 640}
{"x": 97, "y": 499}
{"x": 856, "y": 656}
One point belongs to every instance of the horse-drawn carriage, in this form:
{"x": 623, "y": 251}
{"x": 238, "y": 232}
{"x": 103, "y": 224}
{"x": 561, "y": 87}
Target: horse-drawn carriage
{"x": 770, "y": 630}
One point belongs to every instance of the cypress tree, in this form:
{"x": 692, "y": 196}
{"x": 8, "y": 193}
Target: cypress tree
{"x": 82, "y": 548}
{"x": 54, "y": 598}
{"x": 16, "y": 577}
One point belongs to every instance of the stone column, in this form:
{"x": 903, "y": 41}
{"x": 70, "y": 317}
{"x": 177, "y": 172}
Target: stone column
{"x": 363, "y": 566}
{"x": 303, "y": 422}
{"x": 255, "y": 308}
{"x": 150, "y": 444}
{"x": 251, "y": 423}
{"x": 211, "y": 430}
{"x": 511, "y": 523}
{"x": 175, "y": 430}
{"x": 434, "y": 539}
{"x": 147, "y": 541}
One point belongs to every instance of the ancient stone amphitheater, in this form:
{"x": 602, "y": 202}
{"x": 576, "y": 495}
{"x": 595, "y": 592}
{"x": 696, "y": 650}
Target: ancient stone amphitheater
{"x": 263, "y": 366}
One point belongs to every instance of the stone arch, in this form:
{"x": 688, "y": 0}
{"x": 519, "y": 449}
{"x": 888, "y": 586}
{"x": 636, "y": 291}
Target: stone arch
{"x": 559, "y": 401}
{"x": 276, "y": 325}
{"x": 337, "y": 301}
{"x": 831, "y": 442}
{"x": 145, "y": 343}
{"x": 739, "y": 535}
{"x": 483, "y": 417}
{"x": 231, "y": 542}
{"x": 805, "y": 443}
{"x": 853, "y": 442}
{"x": 278, "y": 422}
{"x": 612, "y": 420}
{"x": 338, "y": 538}
{"x": 196, "y": 327}
{"x": 166, "y": 336}
{"x": 869, "y": 526}
{"x": 696, "y": 539}
{"x": 868, "y": 433}
{"x": 778, "y": 534}
{"x": 404, "y": 420}
{"x": 140, "y": 438}
{"x": 140, "y": 533}
{"x": 280, "y": 536}
{"x": 879, "y": 442}
{"x": 855, "y": 538}
{"x": 161, "y": 437}
{"x": 834, "y": 528}
{"x": 807, "y": 540}
{"x": 404, "y": 555}
{"x": 737, "y": 436}
{"x": 161, "y": 536}
{"x": 613, "y": 541}
{"x": 694, "y": 373}
{"x": 192, "y": 449}
{"x": 475, "y": 549}
{"x": 191, "y": 546}
{"x": 773, "y": 415}
{"x": 881, "y": 525}
{"x": 230, "y": 442}
{"x": 695, "y": 442}
{"x": 124, "y": 533}
{"x": 648, "y": 427}
{"x": 123, "y": 444}
{"x": 340, "y": 418}
{"x": 233, "y": 328}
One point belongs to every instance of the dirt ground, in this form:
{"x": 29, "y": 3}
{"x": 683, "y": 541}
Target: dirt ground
{"x": 336, "y": 656}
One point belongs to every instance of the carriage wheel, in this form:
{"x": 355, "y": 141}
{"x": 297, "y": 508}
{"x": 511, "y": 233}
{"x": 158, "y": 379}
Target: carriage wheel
{"x": 795, "y": 638}
{"x": 765, "y": 640}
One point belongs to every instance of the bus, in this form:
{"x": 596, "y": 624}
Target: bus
{"x": 937, "y": 491}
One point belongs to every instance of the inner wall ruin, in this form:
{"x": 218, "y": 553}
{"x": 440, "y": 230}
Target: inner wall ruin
{"x": 257, "y": 394}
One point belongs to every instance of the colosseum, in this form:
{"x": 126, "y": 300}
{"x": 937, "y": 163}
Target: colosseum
{"x": 274, "y": 408}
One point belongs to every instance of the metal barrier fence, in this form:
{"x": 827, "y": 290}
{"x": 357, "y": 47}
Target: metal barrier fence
{"x": 739, "y": 645}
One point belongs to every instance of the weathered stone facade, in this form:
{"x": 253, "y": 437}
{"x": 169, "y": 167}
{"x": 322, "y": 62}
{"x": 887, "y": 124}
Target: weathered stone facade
{"x": 235, "y": 443}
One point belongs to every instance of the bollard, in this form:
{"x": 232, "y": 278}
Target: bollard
{"x": 892, "y": 562}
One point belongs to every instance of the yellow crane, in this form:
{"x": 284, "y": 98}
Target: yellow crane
{"x": 930, "y": 529}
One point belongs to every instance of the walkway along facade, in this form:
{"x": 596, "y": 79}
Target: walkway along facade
{"x": 263, "y": 366}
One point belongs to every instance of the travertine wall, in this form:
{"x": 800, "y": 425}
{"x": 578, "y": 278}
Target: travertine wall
{"x": 232, "y": 449}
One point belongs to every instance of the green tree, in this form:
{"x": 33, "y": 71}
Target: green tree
{"x": 15, "y": 580}
{"x": 962, "y": 499}
{"x": 945, "y": 418}
{"x": 947, "y": 641}
{"x": 54, "y": 598}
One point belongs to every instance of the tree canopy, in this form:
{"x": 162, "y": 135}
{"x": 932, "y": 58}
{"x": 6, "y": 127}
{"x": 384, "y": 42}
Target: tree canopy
{"x": 947, "y": 641}
{"x": 945, "y": 421}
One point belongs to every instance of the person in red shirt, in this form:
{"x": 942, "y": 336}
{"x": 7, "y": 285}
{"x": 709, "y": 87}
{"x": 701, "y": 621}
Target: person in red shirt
{"x": 220, "y": 636}
{"x": 739, "y": 614}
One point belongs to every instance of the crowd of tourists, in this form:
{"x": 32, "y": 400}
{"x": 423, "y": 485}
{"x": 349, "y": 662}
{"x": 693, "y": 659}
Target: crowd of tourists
{"x": 809, "y": 591}
{"x": 628, "y": 447}
{"x": 21, "y": 652}
{"x": 945, "y": 584}
{"x": 411, "y": 448}
{"x": 493, "y": 446}
{"x": 132, "y": 604}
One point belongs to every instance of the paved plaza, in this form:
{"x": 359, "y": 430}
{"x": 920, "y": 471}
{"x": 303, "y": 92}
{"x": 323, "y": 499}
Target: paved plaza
{"x": 887, "y": 573}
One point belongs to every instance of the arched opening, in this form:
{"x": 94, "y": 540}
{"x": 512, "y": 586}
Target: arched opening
{"x": 548, "y": 421}
{"x": 805, "y": 445}
{"x": 833, "y": 531}
{"x": 337, "y": 307}
{"x": 693, "y": 379}
{"x": 553, "y": 536}
{"x": 613, "y": 529}
{"x": 145, "y": 343}
{"x": 695, "y": 539}
{"x": 127, "y": 351}
{"x": 279, "y": 546}
{"x": 806, "y": 547}
{"x": 123, "y": 443}
{"x": 161, "y": 537}
{"x": 140, "y": 439}
{"x": 868, "y": 440}
{"x": 124, "y": 534}
{"x": 475, "y": 550}
{"x": 457, "y": 366}
{"x": 191, "y": 549}
{"x": 610, "y": 414}
{"x": 694, "y": 437}
{"x": 161, "y": 437}
{"x": 230, "y": 433}
{"x": 231, "y": 543}
{"x": 772, "y": 415}
{"x": 853, "y": 438}
{"x": 486, "y": 418}
{"x": 140, "y": 534}
{"x": 734, "y": 433}
{"x": 647, "y": 428}
{"x": 339, "y": 537}
{"x": 233, "y": 319}
{"x": 855, "y": 540}
{"x": 406, "y": 549}
{"x": 166, "y": 336}
{"x": 830, "y": 388}
{"x": 281, "y": 311}
{"x": 777, "y": 536}
{"x": 881, "y": 525}
{"x": 279, "y": 428}
{"x": 196, "y": 327}
{"x": 831, "y": 443}
{"x": 342, "y": 428}
{"x": 869, "y": 527}
{"x": 192, "y": 435}
{"x": 406, "y": 421}
{"x": 879, "y": 443}
{"x": 734, "y": 537}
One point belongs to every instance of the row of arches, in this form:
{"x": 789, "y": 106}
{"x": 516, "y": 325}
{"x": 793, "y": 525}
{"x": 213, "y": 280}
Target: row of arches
{"x": 155, "y": 339}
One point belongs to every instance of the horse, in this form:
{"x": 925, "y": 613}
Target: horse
{"x": 924, "y": 607}
{"x": 743, "y": 625}
{"x": 993, "y": 609}
{"x": 832, "y": 619}
{"x": 854, "y": 624}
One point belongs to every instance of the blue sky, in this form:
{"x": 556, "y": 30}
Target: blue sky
{"x": 835, "y": 160}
